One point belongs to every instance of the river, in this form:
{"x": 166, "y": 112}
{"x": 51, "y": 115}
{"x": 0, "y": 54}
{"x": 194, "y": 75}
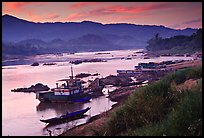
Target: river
{"x": 21, "y": 112}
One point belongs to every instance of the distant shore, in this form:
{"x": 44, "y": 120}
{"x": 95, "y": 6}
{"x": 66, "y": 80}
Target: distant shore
{"x": 12, "y": 60}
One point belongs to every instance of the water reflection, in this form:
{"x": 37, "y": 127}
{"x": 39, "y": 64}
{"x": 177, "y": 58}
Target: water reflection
{"x": 28, "y": 115}
{"x": 59, "y": 108}
{"x": 58, "y": 129}
{"x": 98, "y": 105}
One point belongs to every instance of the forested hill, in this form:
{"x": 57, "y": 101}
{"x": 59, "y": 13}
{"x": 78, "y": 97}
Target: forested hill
{"x": 179, "y": 44}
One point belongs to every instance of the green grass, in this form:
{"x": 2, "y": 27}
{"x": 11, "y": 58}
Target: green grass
{"x": 184, "y": 120}
{"x": 158, "y": 109}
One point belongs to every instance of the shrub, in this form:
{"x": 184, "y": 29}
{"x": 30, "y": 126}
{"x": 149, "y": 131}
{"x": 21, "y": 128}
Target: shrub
{"x": 186, "y": 119}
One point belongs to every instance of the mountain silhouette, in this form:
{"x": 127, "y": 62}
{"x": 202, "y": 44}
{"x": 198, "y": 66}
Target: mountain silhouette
{"x": 81, "y": 36}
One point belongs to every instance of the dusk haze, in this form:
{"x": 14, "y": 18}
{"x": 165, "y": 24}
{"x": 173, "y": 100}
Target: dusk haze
{"x": 177, "y": 15}
{"x": 102, "y": 68}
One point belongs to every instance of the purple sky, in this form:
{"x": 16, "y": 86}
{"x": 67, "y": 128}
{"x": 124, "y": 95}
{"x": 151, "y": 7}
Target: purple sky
{"x": 177, "y": 15}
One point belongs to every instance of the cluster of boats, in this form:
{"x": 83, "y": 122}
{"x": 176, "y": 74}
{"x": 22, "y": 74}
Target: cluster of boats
{"x": 71, "y": 91}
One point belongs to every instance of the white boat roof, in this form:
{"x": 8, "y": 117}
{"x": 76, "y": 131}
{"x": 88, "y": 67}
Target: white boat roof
{"x": 67, "y": 79}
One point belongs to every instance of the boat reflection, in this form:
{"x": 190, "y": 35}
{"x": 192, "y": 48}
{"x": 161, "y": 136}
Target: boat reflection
{"x": 59, "y": 108}
{"x": 57, "y": 129}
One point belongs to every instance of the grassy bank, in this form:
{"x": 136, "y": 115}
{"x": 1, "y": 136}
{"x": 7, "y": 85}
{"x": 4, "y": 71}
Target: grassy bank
{"x": 171, "y": 106}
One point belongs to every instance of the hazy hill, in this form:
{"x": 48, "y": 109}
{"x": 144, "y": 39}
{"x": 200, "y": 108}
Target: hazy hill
{"x": 79, "y": 36}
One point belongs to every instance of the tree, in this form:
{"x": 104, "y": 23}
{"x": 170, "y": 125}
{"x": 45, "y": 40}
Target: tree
{"x": 176, "y": 44}
{"x": 154, "y": 43}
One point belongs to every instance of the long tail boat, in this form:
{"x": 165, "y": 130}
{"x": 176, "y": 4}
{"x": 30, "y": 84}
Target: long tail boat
{"x": 67, "y": 117}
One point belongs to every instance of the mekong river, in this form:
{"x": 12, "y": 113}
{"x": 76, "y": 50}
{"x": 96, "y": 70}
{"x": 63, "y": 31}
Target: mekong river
{"x": 21, "y": 112}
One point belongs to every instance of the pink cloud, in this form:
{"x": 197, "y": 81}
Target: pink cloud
{"x": 106, "y": 12}
{"x": 15, "y": 6}
{"x": 40, "y": 18}
{"x": 20, "y": 6}
{"x": 33, "y": 17}
{"x": 193, "y": 21}
{"x": 52, "y": 16}
{"x": 82, "y": 4}
{"x": 24, "y": 8}
{"x": 75, "y": 16}
{"x": 130, "y": 9}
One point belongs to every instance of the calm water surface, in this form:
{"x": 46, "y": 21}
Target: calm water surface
{"x": 21, "y": 111}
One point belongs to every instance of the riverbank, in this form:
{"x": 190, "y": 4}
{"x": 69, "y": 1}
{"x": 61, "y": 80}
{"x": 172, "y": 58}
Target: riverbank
{"x": 93, "y": 126}
{"x": 185, "y": 64}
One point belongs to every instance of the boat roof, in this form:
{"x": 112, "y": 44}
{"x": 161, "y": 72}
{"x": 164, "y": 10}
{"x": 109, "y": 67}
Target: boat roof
{"x": 67, "y": 79}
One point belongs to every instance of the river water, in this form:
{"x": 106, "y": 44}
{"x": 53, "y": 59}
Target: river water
{"x": 21, "y": 112}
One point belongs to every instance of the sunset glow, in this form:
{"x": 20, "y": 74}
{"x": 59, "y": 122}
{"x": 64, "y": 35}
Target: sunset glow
{"x": 178, "y": 15}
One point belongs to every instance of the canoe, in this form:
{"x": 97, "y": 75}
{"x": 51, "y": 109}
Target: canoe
{"x": 67, "y": 117}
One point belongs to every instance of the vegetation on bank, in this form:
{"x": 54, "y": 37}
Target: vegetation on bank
{"x": 179, "y": 44}
{"x": 169, "y": 107}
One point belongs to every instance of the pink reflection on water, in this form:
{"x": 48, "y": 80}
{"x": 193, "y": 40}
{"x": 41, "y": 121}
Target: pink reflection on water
{"x": 21, "y": 111}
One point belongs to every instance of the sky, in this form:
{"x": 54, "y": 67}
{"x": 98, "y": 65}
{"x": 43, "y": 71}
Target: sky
{"x": 176, "y": 15}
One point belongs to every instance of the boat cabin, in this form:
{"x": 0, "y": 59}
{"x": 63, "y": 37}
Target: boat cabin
{"x": 69, "y": 87}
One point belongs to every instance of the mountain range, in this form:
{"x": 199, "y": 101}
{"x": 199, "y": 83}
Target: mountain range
{"x": 39, "y": 38}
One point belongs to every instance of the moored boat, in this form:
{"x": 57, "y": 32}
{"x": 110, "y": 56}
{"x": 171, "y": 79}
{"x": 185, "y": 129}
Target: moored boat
{"x": 71, "y": 90}
{"x": 67, "y": 117}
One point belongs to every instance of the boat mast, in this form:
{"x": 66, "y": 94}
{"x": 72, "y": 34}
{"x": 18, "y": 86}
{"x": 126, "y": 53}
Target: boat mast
{"x": 72, "y": 72}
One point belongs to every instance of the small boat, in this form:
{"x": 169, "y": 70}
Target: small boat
{"x": 67, "y": 117}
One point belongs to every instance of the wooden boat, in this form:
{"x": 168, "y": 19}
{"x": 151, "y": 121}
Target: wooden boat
{"x": 71, "y": 90}
{"x": 67, "y": 117}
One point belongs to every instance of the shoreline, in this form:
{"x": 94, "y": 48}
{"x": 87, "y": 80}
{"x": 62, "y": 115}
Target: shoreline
{"x": 86, "y": 129}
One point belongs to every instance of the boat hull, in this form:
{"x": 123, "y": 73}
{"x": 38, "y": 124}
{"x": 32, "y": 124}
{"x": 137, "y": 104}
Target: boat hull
{"x": 66, "y": 118}
{"x": 58, "y": 121}
{"x": 51, "y": 97}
